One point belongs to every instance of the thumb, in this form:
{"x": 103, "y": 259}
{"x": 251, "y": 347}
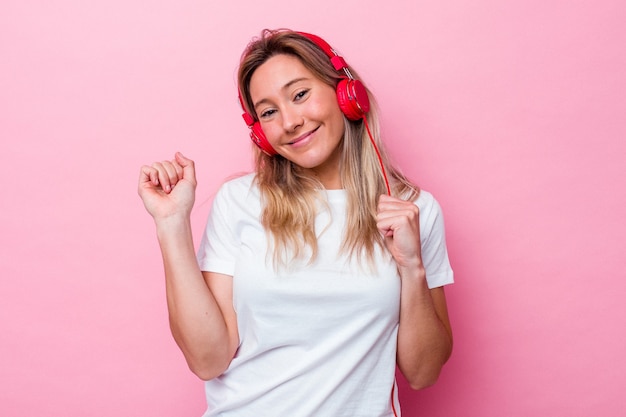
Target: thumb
{"x": 189, "y": 171}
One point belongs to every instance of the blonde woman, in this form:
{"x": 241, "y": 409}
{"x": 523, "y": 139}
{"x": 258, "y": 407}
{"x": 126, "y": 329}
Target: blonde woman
{"x": 320, "y": 272}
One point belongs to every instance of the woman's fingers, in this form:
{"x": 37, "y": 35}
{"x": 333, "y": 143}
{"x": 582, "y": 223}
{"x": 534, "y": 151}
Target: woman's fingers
{"x": 394, "y": 213}
{"x": 187, "y": 167}
{"x": 398, "y": 222}
{"x": 168, "y": 187}
{"x": 168, "y": 174}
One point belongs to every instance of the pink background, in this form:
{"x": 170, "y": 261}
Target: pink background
{"x": 511, "y": 113}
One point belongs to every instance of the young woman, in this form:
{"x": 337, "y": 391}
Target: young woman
{"x": 320, "y": 272}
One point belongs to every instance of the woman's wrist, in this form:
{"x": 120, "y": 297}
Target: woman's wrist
{"x": 415, "y": 273}
{"x": 177, "y": 224}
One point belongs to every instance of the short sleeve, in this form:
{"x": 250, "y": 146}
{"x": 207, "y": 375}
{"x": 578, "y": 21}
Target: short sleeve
{"x": 433, "y": 241}
{"x": 219, "y": 243}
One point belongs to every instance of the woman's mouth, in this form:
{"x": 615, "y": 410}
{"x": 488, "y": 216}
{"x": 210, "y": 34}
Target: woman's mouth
{"x": 303, "y": 139}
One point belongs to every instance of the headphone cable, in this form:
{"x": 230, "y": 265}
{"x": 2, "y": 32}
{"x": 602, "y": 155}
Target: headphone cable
{"x": 380, "y": 159}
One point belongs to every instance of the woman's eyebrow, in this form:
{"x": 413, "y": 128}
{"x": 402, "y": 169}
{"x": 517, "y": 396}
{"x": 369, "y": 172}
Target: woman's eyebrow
{"x": 284, "y": 87}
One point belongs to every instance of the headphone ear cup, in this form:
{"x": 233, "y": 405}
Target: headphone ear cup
{"x": 259, "y": 139}
{"x": 352, "y": 98}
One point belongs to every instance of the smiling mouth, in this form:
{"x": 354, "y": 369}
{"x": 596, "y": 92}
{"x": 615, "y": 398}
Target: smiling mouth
{"x": 302, "y": 137}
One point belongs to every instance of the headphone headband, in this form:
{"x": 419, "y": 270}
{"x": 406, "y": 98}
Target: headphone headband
{"x": 337, "y": 60}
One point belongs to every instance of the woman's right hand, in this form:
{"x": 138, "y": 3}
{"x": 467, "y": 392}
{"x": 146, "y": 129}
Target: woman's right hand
{"x": 168, "y": 188}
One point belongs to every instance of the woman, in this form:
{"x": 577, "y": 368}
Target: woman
{"x": 318, "y": 273}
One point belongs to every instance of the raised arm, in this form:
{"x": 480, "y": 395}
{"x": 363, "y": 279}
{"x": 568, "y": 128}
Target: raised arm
{"x": 201, "y": 315}
{"x": 424, "y": 334}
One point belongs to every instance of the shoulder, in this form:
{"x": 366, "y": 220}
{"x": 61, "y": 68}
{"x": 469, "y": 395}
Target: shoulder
{"x": 236, "y": 195}
{"x": 427, "y": 203}
{"x": 238, "y": 187}
{"x": 238, "y": 183}
{"x": 430, "y": 212}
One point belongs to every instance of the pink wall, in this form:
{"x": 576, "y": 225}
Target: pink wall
{"x": 511, "y": 113}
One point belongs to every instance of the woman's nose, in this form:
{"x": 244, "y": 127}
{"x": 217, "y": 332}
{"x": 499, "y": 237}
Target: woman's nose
{"x": 292, "y": 119}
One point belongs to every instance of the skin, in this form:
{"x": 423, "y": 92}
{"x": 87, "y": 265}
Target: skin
{"x": 424, "y": 334}
{"x": 302, "y": 120}
{"x": 300, "y": 116}
{"x": 201, "y": 315}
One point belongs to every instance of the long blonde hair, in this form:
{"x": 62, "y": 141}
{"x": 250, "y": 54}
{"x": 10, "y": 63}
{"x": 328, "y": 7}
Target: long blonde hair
{"x": 290, "y": 195}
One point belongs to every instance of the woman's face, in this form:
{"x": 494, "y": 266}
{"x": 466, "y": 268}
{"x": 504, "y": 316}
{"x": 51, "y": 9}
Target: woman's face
{"x": 299, "y": 115}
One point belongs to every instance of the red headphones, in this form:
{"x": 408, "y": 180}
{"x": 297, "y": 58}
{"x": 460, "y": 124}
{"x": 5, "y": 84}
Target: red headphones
{"x": 351, "y": 96}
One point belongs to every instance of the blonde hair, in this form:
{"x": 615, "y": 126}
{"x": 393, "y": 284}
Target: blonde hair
{"x": 290, "y": 196}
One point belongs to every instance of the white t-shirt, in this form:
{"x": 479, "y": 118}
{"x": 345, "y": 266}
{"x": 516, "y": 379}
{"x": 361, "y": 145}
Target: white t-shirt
{"x": 316, "y": 339}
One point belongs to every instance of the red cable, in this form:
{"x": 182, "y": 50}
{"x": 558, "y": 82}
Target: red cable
{"x": 380, "y": 159}
{"x": 393, "y": 403}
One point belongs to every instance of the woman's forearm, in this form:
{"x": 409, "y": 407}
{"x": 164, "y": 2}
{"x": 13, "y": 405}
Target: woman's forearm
{"x": 424, "y": 335}
{"x": 196, "y": 321}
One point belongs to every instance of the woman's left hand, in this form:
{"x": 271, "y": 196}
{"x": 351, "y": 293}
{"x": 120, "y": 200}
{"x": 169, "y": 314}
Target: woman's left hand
{"x": 398, "y": 222}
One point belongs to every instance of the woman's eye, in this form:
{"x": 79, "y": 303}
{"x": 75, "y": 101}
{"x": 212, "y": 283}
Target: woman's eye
{"x": 301, "y": 95}
{"x": 267, "y": 113}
